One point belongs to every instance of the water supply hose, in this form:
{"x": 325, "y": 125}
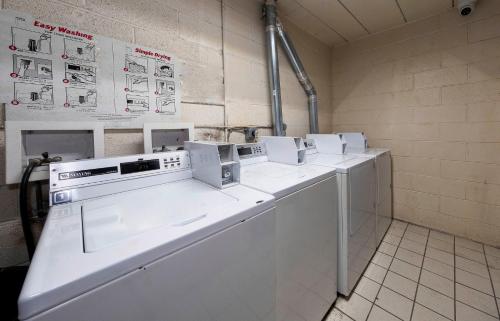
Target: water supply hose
{"x": 24, "y": 198}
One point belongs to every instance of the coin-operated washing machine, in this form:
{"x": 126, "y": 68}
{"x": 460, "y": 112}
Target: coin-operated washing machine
{"x": 140, "y": 238}
{"x": 306, "y": 215}
{"x": 356, "y": 178}
{"x": 357, "y": 144}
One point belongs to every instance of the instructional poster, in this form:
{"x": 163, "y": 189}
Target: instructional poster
{"x": 54, "y": 72}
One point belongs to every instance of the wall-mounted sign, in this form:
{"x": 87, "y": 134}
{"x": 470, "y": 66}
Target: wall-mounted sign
{"x": 54, "y": 72}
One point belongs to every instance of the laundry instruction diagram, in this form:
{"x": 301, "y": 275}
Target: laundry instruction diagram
{"x": 54, "y": 72}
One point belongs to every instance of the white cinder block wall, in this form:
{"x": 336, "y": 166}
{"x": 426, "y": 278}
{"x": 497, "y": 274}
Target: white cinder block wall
{"x": 224, "y": 82}
{"x": 430, "y": 91}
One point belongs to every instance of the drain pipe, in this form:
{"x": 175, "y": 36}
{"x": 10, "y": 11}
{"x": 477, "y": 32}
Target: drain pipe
{"x": 302, "y": 76}
{"x": 273, "y": 67}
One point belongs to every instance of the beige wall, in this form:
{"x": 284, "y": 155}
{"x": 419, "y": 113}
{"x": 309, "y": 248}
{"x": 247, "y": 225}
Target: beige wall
{"x": 430, "y": 91}
{"x": 217, "y": 89}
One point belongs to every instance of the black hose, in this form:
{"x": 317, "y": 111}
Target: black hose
{"x": 23, "y": 207}
{"x": 39, "y": 200}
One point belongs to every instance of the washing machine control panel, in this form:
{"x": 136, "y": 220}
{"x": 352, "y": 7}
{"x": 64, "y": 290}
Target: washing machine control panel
{"x": 67, "y": 178}
{"x": 251, "y": 150}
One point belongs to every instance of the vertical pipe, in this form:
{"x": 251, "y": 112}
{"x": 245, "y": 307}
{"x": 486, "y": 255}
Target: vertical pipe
{"x": 273, "y": 67}
{"x": 226, "y": 131}
{"x": 298, "y": 68}
{"x": 312, "y": 100}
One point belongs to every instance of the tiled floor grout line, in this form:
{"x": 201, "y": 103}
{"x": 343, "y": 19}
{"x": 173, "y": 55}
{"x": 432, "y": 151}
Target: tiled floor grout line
{"x": 429, "y": 271}
{"x": 444, "y": 262}
{"x": 474, "y": 308}
{"x": 491, "y": 281}
{"x": 479, "y": 275}
{"x": 420, "y": 275}
{"x": 454, "y": 281}
{"x": 454, "y": 288}
{"x": 387, "y": 272}
{"x": 463, "y": 257}
{"x": 455, "y": 268}
{"x": 334, "y": 307}
{"x": 399, "y": 274}
{"x": 482, "y": 276}
{"x": 428, "y": 308}
{"x": 455, "y": 300}
{"x": 378, "y": 306}
{"x": 465, "y": 285}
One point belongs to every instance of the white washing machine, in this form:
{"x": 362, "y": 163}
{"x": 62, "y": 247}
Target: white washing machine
{"x": 357, "y": 144}
{"x": 306, "y": 215}
{"x": 138, "y": 238}
{"x": 356, "y": 178}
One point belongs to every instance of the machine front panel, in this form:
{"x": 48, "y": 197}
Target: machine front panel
{"x": 199, "y": 282}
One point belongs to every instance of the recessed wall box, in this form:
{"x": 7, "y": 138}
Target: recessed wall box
{"x": 286, "y": 150}
{"x": 164, "y": 137}
{"x": 25, "y": 140}
{"x": 214, "y": 163}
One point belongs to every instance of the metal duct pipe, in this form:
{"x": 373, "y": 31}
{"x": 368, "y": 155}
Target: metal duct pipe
{"x": 273, "y": 67}
{"x": 302, "y": 76}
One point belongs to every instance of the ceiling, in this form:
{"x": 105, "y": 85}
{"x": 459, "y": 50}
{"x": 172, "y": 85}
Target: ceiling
{"x": 336, "y": 22}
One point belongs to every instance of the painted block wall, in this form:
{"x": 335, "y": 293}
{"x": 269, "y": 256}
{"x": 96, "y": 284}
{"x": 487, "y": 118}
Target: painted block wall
{"x": 430, "y": 91}
{"x": 224, "y": 76}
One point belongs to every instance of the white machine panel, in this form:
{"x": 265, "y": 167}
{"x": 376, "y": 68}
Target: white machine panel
{"x": 214, "y": 163}
{"x": 80, "y": 180}
{"x": 137, "y": 238}
{"x": 228, "y": 276}
{"x": 25, "y": 140}
{"x": 355, "y": 141}
{"x": 328, "y": 143}
{"x": 286, "y": 150}
{"x": 356, "y": 177}
{"x": 384, "y": 194}
{"x": 357, "y": 145}
{"x": 306, "y": 224}
{"x": 164, "y": 137}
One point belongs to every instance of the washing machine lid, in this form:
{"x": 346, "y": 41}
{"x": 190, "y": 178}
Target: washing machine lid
{"x": 282, "y": 179}
{"x": 90, "y": 243}
{"x": 341, "y": 162}
{"x": 370, "y": 152}
{"x": 110, "y": 220}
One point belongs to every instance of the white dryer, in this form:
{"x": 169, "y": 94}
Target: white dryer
{"x": 306, "y": 215}
{"x": 357, "y": 144}
{"x": 138, "y": 238}
{"x": 356, "y": 178}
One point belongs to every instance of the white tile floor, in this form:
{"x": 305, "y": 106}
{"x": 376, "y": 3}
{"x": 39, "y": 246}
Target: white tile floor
{"x": 424, "y": 275}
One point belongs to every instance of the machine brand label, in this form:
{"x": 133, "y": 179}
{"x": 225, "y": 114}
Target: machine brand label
{"x": 88, "y": 172}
